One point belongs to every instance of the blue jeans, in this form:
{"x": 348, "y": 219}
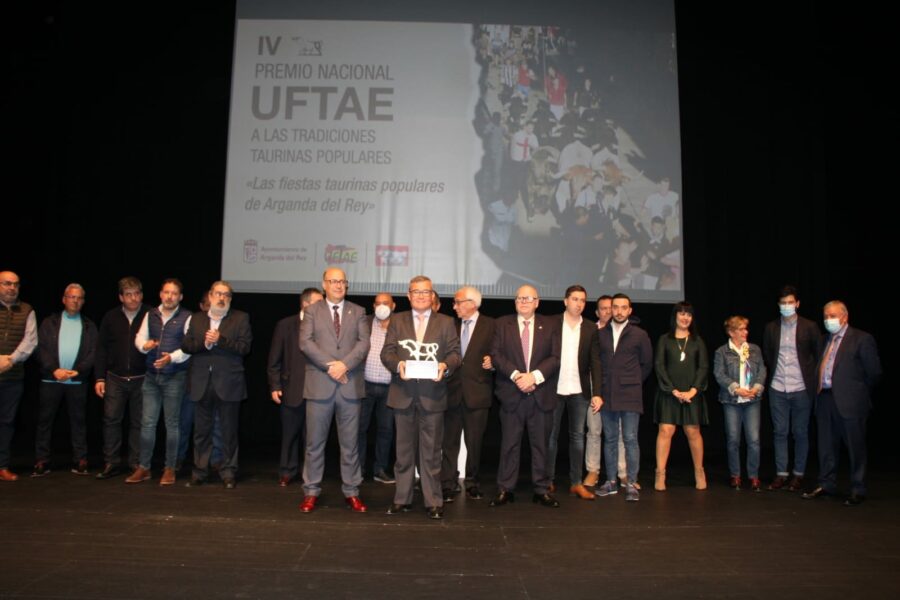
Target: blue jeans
{"x": 577, "y": 407}
{"x": 161, "y": 392}
{"x": 629, "y": 422}
{"x": 376, "y": 401}
{"x": 186, "y": 422}
{"x": 790, "y": 410}
{"x": 748, "y": 416}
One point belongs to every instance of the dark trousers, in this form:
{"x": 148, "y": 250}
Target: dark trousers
{"x": 833, "y": 429}
{"x": 10, "y": 396}
{"x": 471, "y": 423}
{"x": 204, "y": 421}
{"x": 49, "y": 397}
{"x": 376, "y": 402}
{"x": 122, "y": 393}
{"x": 293, "y": 422}
{"x": 512, "y": 426}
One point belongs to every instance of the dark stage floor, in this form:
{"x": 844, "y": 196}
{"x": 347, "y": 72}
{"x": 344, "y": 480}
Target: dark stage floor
{"x": 66, "y": 536}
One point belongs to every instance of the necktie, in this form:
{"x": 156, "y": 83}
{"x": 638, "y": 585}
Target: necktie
{"x": 464, "y": 342}
{"x": 420, "y": 328}
{"x": 526, "y": 344}
{"x": 337, "y": 322}
{"x": 828, "y": 359}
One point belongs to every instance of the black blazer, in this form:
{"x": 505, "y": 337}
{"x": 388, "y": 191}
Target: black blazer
{"x": 624, "y": 370}
{"x": 223, "y": 365}
{"x": 856, "y": 370}
{"x": 588, "y": 330}
{"x": 470, "y": 383}
{"x": 506, "y": 355}
{"x": 286, "y": 368}
{"x": 809, "y": 347}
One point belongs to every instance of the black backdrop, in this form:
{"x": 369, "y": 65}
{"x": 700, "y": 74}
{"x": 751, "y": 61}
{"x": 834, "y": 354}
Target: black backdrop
{"x": 115, "y": 137}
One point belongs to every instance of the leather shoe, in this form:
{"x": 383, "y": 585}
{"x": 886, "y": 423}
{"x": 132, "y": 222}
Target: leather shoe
{"x": 796, "y": 484}
{"x": 545, "y": 500}
{"x": 854, "y": 499}
{"x": 7, "y": 475}
{"x": 449, "y": 495}
{"x": 195, "y": 482}
{"x": 819, "y": 492}
{"x": 309, "y": 504}
{"x": 435, "y": 512}
{"x": 109, "y": 471}
{"x": 582, "y": 492}
{"x": 284, "y": 481}
{"x": 168, "y": 477}
{"x": 229, "y": 483}
{"x": 473, "y": 493}
{"x": 502, "y": 498}
{"x": 396, "y": 509}
{"x": 140, "y": 474}
{"x": 777, "y": 483}
{"x": 355, "y": 504}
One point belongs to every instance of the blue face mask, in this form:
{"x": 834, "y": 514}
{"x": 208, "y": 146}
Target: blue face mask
{"x": 832, "y": 326}
{"x": 787, "y": 310}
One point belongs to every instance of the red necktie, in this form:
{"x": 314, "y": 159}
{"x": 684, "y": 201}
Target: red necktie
{"x": 337, "y": 322}
{"x": 526, "y": 344}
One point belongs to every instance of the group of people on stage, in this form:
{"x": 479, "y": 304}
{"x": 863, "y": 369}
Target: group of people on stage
{"x": 429, "y": 381}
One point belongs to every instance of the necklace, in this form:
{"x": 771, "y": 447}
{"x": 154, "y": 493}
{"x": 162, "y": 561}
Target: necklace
{"x": 682, "y": 348}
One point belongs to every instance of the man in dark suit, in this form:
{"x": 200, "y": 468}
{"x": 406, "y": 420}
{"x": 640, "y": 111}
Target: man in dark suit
{"x": 218, "y": 341}
{"x": 791, "y": 348}
{"x": 287, "y": 374}
{"x": 419, "y": 404}
{"x": 848, "y": 370}
{"x": 334, "y": 336}
{"x": 525, "y": 352}
{"x": 573, "y": 388}
{"x": 626, "y": 360}
{"x": 470, "y": 391}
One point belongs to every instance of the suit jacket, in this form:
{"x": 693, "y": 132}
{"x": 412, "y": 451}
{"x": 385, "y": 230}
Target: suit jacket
{"x": 48, "y": 347}
{"x": 809, "y": 347}
{"x": 624, "y": 369}
{"x": 856, "y": 370}
{"x": 287, "y": 364}
{"x": 432, "y": 394}
{"x": 223, "y": 365}
{"x": 507, "y": 357}
{"x": 321, "y": 346}
{"x": 471, "y": 384}
{"x": 588, "y": 331}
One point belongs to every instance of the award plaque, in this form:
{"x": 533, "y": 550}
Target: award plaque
{"x": 423, "y": 362}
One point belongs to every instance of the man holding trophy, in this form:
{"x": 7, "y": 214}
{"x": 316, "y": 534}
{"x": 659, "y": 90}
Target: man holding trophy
{"x": 420, "y": 349}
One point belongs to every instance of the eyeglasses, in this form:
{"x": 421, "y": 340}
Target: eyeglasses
{"x": 14, "y": 284}
{"x": 71, "y": 297}
{"x": 458, "y": 302}
{"x": 421, "y": 293}
{"x": 336, "y": 281}
{"x": 525, "y": 299}
{"x": 220, "y": 294}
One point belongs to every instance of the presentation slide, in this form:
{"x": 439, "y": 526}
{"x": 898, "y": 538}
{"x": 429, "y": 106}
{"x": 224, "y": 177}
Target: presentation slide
{"x": 484, "y": 154}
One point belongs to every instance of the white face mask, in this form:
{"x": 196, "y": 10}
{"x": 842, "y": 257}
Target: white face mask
{"x": 382, "y": 312}
{"x": 787, "y": 310}
{"x": 832, "y": 325}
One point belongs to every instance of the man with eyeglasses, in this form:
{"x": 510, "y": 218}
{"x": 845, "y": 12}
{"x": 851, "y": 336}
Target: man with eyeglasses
{"x": 218, "y": 340}
{"x": 66, "y": 349}
{"x": 419, "y": 403}
{"x": 334, "y": 336}
{"x": 119, "y": 376}
{"x": 526, "y": 354}
{"x": 470, "y": 391}
{"x": 18, "y": 339}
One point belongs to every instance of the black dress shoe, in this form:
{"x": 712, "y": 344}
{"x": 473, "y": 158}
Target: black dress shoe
{"x": 819, "y": 492}
{"x": 396, "y": 509}
{"x": 195, "y": 482}
{"x": 854, "y": 500}
{"x": 473, "y": 493}
{"x": 108, "y": 472}
{"x": 502, "y": 498}
{"x": 229, "y": 483}
{"x": 448, "y": 495}
{"x": 435, "y": 512}
{"x": 545, "y": 500}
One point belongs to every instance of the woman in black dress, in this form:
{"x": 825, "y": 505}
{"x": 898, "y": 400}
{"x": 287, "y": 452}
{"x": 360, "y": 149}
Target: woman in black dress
{"x": 682, "y": 366}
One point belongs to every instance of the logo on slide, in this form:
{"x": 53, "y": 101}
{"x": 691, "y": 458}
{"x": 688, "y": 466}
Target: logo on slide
{"x": 251, "y": 251}
{"x": 307, "y": 47}
{"x": 337, "y": 254}
{"x": 391, "y": 256}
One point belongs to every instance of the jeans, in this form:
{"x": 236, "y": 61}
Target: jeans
{"x": 628, "y": 421}
{"x": 748, "y": 415}
{"x": 186, "y": 423}
{"x": 121, "y": 394}
{"x": 10, "y": 396}
{"x": 49, "y": 397}
{"x": 577, "y": 407}
{"x": 594, "y": 441}
{"x": 376, "y": 401}
{"x": 790, "y": 410}
{"x": 161, "y": 392}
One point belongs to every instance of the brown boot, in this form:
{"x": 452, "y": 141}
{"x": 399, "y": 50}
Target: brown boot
{"x": 168, "y": 477}
{"x": 140, "y": 474}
